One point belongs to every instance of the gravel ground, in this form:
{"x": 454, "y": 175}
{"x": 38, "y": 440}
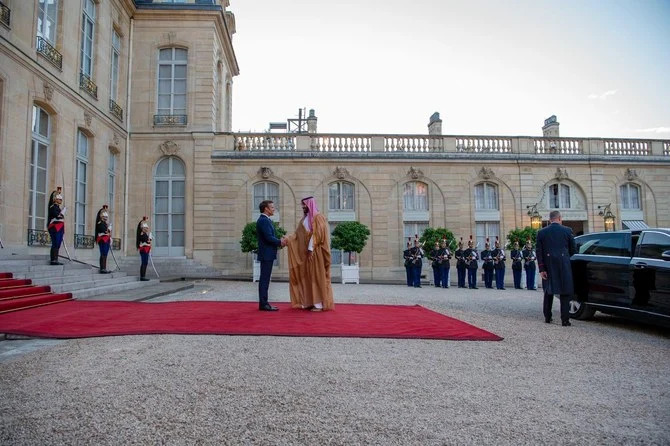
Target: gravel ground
{"x": 598, "y": 382}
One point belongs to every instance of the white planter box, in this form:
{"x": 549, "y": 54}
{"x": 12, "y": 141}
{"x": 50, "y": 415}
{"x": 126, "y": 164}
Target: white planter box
{"x": 350, "y": 274}
{"x": 257, "y": 271}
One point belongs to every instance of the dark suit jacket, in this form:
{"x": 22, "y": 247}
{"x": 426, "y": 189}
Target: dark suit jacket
{"x": 267, "y": 241}
{"x": 555, "y": 246}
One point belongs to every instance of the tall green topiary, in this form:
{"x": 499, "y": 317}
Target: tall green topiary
{"x": 249, "y": 242}
{"x": 350, "y": 236}
{"x": 521, "y": 235}
{"x": 432, "y": 235}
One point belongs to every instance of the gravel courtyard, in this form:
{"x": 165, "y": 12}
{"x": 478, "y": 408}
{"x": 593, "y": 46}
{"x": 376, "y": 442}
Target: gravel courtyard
{"x": 605, "y": 381}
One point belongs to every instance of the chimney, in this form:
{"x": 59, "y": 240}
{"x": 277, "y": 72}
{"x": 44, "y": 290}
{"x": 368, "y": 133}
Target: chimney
{"x": 550, "y": 129}
{"x": 311, "y": 122}
{"x": 435, "y": 124}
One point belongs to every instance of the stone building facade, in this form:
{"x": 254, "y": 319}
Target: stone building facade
{"x": 170, "y": 153}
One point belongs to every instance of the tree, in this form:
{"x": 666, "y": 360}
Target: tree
{"x": 249, "y": 242}
{"x": 350, "y": 236}
{"x": 432, "y": 235}
{"x": 521, "y": 235}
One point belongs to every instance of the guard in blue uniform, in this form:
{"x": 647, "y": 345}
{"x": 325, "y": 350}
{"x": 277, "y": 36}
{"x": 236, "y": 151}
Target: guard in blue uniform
{"x": 56, "y": 224}
{"x": 517, "y": 263}
{"x": 460, "y": 264}
{"x": 143, "y": 244}
{"x": 407, "y": 256}
{"x": 471, "y": 258}
{"x": 529, "y": 265}
{"x": 444, "y": 255}
{"x": 435, "y": 264}
{"x": 103, "y": 236}
{"x": 499, "y": 259}
{"x": 487, "y": 264}
{"x": 416, "y": 254}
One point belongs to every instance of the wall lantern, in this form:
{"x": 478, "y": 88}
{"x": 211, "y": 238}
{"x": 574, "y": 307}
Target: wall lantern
{"x": 535, "y": 217}
{"x": 608, "y": 217}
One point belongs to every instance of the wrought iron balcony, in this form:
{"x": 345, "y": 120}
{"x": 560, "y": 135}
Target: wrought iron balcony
{"x": 5, "y": 13}
{"x": 50, "y": 53}
{"x": 169, "y": 119}
{"x": 84, "y": 241}
{"x": 116, "y": 109}
{"x": 88, "y": 85}
{"x": 37, "y": 237}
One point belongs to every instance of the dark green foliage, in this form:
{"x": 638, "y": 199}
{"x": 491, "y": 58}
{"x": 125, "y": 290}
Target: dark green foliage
{"x": 521, "y": 235}
{"x": 249, "y": 242}
{"x": 432, "y": 235}
{"x": 350, "y": 236}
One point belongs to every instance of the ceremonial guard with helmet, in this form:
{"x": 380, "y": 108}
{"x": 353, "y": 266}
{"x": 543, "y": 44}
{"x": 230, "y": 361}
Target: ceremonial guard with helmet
{"x": 529, "y": 265}
{"x": 143, "y": 243}
{"x": 517, "y": 264}
{"x": 499, "y": 259}
{"x": 444, "y": 256}
{"x": 56, "y": 223}
{"x": 471, "y": 258}
{"x": 103, "y": 236}
{"x": 487, "y": 264}
{"x": 407, "y": 256}
{"x": 460, "y": 264}
{"x": 435, "y": 263}
{"x": 416, "y": 255}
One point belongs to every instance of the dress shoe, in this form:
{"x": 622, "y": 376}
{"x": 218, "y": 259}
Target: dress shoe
{"x": 566, "y": 324}
{"x": 268, "y": 307}
{"x": 547, "y": 320}
{"x": 144, "y": 279}
{"x": 56, "y": 262}
{"x": 316, "y": 310}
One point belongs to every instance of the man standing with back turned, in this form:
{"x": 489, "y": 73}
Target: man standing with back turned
{"x": 555, "y": 246}
{"x": 267, "y": 252}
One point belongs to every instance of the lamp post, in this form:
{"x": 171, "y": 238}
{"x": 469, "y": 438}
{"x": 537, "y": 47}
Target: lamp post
{"x": 535, "y": 217}
{"x": 608, "y": 217}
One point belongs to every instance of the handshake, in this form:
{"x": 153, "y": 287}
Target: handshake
{"x": 284, "y": 242}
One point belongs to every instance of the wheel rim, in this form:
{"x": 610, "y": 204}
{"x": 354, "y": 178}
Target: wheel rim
{"x": 575, "y": 306}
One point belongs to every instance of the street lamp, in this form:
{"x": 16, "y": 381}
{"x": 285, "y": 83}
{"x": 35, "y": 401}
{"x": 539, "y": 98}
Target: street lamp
{"x": 535, "y": 217}
{"x": 608, "y": 217}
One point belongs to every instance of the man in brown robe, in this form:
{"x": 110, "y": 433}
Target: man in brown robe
{"x": 309, "y": 261}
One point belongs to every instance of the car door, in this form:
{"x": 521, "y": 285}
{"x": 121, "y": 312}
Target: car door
{"x": 651, "y": 273}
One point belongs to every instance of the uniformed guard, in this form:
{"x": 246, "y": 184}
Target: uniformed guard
{"x": 444, "y": 256}
{"x": 499, "y": 259}
{"x": 471, "y": 258}
{"x": 103, "y": 234}
{"x": 143, "y": 244}
{"x": 407, "y": 256}
{"x": 56, "y": 223}
{"x": 417, "y": 254}
{"x": 435, "y": 263}
{"x": 487, "y": 264}
{"x": 460, "y": 264}
{"x": 517, "y": 263}
{"x": 529, "y": 265}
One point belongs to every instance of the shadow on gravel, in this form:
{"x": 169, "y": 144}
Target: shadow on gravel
{"x": 627, "y": 324}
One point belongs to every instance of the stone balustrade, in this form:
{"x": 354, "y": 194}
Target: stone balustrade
{"x": 524, "y": 145}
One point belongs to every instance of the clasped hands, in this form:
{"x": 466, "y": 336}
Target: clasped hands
{"x": 284, "y": 242}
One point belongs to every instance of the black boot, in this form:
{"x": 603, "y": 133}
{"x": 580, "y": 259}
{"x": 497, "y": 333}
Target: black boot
{"x": 103, "y": 265}
{"x": 54, "y": 257}
{"x": 143, "y": 273}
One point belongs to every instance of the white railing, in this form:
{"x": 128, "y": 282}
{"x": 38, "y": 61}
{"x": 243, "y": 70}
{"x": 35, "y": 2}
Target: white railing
{"x": 399, "y": 143}
{"x": 626, "y": 147}
{"x": 559, "y": 146}
{"x": 666, "y": 148}
{"x": 341, "y": 143}
{"x": 483, "y": 144}
{"x": 264, "y": 141}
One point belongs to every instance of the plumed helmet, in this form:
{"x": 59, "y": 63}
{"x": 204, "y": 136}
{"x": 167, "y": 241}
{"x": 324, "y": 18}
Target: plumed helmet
{"x": 497, "y": 242}
{"x": 487, "y": 244}
{"x": 470, "y": 242}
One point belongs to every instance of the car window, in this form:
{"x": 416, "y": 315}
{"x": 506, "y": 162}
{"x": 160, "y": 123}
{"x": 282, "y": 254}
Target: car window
{"x": 653, "y": 244}
{"x": 613, "y": 244}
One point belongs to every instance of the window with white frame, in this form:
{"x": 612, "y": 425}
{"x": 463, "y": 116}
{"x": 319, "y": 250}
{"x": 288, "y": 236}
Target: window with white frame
{"x": 47, "y": 16}
{"x": 412, "y": 229}
{"x": 335, "y": 254}
{"x": 341, "y": 196}
{"x": 484, "y": 230}
{"x": 630, "y": 196}
{"x": 266, "y": 190}
{"x": 114, "y": 68}
{"x": 87, "y": 34}
{"x": 172, "y": 64}
{"x": 486, "y": 196}
{"x": 559, "y": 196}
{"x": 111, "y": 183}
{"x": 39, "y": 153}
{"x": 81, "y": 178}
{"x": 415, "y": 196}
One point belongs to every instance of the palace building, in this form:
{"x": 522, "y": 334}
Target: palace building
{"x": 128, "y": 103}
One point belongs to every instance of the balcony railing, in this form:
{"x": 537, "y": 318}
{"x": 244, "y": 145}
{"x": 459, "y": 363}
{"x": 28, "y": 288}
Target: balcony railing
{"x": 559, "y": 146}
{"x": 170, "y": 120}
{"x": 340, "y": 143}
{"x": 37, "y": 237}
{"x": 50, "y": 53}
{"x": 666, "y": 148}
{"x": 479, "y": 144}
{"x": 84, "y": 241}
{"x": 413, "y": 144}
{"x": 87, "y": 84}
{"x": 116, "y": 109}
{"x": 626, "y": 148}
{"x": 5, "y": 14}
{"x": 264, "y": 141}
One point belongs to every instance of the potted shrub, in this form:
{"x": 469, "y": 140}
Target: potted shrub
{"x": 521, "y": 236}
{"x": 432, "y": 235}
{"x": 249, "y": 243}
{"x": 350, "y": 237}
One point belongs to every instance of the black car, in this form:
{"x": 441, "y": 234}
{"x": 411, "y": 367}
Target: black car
{"x": 623, "y": 272}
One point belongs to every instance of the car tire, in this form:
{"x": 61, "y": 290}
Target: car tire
{"x": 580, "y": 310}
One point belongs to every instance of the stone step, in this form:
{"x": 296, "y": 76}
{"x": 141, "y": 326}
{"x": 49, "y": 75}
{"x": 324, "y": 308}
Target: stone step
{"x": 109, "y": 289}
{"x": 71, "y": 287}
{"x": 57, "y": 280}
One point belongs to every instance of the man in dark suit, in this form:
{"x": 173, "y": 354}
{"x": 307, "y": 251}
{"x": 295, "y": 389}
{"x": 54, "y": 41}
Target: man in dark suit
{"x": 555, "y": 246}
{"x": 267, "y": 252}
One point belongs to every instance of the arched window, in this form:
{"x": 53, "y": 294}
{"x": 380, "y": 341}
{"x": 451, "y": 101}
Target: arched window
{"x": 81, "y": 182}
{"x": 341, "y": 196}
{"x": 415, "y": 196}
{"x": 630, "y": 197}
{"x": 172, "y": 64}
{"x": 559, "y": 196}
{"x": 266, "y": 190}
{"x": 486, "y": 196}
{"x": 169, "y": 206}
{"x": 39, "y": 166}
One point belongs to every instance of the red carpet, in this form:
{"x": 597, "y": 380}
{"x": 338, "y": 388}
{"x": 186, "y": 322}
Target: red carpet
{"x": 19, "y": 294}
{"x": 80, "y": 319}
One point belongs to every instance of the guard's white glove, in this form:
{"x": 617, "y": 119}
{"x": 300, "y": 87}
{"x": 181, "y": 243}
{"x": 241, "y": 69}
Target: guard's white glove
{"x": 151, "y": 236}
{"x": 63, "y": 211}
{"x": 109, "y": 228}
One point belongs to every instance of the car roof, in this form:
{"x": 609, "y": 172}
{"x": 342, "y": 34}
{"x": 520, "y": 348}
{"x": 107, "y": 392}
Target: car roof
{"x": 628, "y": 231}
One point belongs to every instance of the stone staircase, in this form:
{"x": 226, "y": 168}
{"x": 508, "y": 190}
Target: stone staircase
{"x": 83, "y": 281}
{"x": 170, "y": 268}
